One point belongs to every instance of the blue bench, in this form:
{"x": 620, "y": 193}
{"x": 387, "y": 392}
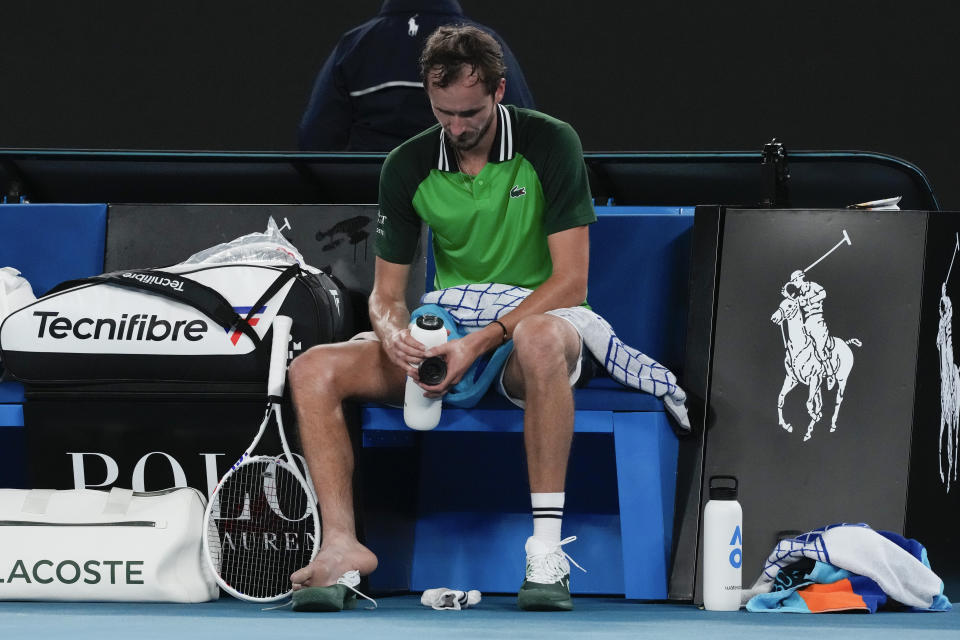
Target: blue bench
{"x": 472, "y": 508}
{"x": 47, "y": 243}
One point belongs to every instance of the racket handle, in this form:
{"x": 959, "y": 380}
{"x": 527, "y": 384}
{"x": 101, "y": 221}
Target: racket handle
{"x": 278, "y": 356}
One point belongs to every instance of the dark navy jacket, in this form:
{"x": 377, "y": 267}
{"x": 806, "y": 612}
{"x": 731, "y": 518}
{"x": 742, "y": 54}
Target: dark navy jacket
{"x": 368, "y": 95}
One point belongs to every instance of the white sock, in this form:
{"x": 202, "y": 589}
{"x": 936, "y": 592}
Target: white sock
{"x": 547, "y": 516}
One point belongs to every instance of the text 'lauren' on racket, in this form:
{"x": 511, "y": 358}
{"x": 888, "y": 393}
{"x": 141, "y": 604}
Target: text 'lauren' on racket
{"x": 262, "y": 522}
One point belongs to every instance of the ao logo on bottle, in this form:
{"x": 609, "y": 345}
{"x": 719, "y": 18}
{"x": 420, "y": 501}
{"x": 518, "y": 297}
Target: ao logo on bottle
{"x": 736, "y": 554}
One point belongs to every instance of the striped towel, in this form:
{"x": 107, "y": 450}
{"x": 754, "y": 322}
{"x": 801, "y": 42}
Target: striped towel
{"x": 476, "y": 305}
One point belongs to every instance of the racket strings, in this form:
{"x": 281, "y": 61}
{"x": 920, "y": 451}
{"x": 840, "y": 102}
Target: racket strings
{"x": 262, "y": 528}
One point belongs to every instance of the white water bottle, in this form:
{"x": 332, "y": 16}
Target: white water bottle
{"x": 722, "y": 546}
{"x": 419, "y": 412}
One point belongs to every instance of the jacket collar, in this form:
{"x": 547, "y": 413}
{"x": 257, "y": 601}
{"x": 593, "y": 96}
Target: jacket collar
{"x": 501, "y": 150}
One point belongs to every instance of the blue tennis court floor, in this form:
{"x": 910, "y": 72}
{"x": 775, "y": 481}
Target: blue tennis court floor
{"x": 404, "y": 617}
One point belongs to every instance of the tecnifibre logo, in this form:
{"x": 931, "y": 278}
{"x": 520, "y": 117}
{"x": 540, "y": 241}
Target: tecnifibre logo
{"x": 160, "y": 281}
{"x": 135, "y": 327}
{"x": 253, "y": 321}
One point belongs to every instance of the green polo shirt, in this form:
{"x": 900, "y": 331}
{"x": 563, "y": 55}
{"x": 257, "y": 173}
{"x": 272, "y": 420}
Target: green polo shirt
{"x": 491, "y": 227}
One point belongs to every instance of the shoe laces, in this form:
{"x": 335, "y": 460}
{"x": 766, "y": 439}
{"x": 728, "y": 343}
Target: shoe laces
{"x": 552, "y": 566}
{"x": 350, "y": 580}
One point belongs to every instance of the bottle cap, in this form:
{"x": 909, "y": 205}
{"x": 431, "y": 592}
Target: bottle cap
{"x": 432, "y": 371}
{"x": 430, "y": 322}
{"x": 724, "y": 491}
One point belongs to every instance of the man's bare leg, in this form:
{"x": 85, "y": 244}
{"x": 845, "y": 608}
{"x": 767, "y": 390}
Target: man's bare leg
{"x": 546, "y": 350}
{"x": 320, "y": 380}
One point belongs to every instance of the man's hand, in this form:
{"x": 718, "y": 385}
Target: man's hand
{"x": 404, "y": 351}
{"x": 459, "y": 356}
{"x": 391, "y": 319}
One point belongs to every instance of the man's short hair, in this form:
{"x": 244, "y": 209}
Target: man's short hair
{"x": 450, "y": 50}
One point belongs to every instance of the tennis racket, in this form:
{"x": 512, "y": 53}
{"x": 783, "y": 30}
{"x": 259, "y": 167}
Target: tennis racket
{"x": 261, "y": 521}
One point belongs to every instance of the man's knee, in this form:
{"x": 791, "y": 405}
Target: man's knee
{"x": 326, "y": 368}
{"x": 545, "y": 342}
{"x": 316, "y": 369}
{"x": 356, "y": 369}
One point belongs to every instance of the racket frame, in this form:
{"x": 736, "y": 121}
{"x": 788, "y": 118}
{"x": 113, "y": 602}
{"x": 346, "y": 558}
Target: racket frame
{"x": 275, "y": 385}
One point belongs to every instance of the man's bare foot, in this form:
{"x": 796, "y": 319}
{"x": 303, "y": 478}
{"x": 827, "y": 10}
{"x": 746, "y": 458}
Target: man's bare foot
{"x": 332, "y": 561}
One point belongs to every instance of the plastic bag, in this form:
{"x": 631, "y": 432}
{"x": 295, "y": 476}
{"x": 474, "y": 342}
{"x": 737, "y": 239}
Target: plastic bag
{"x": 269, "y": 247}
{"x": 15, "y": 291}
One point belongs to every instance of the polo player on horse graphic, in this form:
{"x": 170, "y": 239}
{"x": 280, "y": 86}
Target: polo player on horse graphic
{"x": 812, "y": 354}
{"x": 810, "y": 297}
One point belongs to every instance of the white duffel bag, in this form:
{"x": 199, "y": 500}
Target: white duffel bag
{"x": 91, "y": 545}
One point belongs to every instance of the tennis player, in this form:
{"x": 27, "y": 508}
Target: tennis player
{"x": 506, "y": 194}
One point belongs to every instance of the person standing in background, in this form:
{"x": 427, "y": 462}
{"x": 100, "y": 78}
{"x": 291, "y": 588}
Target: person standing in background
{"x": 368, "y": 96}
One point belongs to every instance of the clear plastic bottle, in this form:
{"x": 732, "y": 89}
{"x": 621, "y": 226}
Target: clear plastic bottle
{"x": 419, "y": 412}
{"x": 722, "y": 546}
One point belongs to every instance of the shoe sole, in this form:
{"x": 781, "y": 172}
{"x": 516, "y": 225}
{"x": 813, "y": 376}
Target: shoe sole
{"x": 565, "y": 606}
{"x": 536, "y": 602}
{"x": 324, "y": 599}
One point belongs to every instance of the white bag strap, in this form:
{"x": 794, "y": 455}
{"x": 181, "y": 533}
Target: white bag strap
{"x": 118, "y": 501}
{"x": 37, "y": 500}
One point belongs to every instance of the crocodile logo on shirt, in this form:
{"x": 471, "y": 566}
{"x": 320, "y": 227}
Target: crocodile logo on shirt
{"x": 518, "y": 191}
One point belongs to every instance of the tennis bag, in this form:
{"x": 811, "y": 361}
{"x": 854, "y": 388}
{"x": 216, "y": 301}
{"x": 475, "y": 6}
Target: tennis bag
{"x": 93, "y": 545}
{"x": 185, "y": 323}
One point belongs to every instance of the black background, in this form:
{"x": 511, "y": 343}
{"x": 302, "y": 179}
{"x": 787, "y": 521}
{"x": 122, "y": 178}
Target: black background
{"x": 860, "y": 472}
{"x": 655, "y": 75}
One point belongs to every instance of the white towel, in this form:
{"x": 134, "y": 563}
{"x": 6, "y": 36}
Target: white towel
{"x": 861, "y": 550}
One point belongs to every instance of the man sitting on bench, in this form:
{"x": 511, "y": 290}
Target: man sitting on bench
{"x": 505, "y": 192}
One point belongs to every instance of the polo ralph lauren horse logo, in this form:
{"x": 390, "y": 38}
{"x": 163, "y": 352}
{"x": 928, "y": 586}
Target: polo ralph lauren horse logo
{"x": 812, "y": 354}
{"x": 949, "y": 384}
